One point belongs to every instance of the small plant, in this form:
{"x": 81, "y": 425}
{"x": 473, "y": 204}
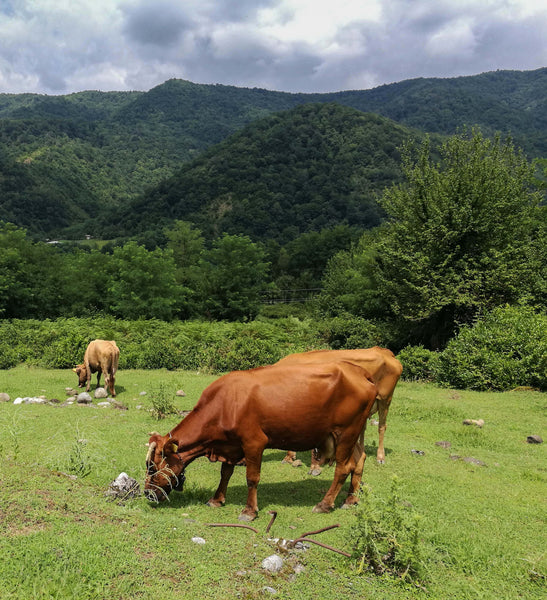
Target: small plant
{"x": 386, "y": 538}
{"x": 162, "y": 403}
{"x": 78, "y": 458}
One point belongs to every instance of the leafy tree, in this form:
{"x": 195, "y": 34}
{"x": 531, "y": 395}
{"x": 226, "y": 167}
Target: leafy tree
{"x": 465, "y": 234}
{"x": 187, "y": 244}
{"x": 232, "y": 274}
{"x": 31, "y": 276}
{"x": 143, "y": 283}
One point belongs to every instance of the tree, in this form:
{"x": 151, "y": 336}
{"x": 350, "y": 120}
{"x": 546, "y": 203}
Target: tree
{"x": 143, "y": 283}
{"x": 464, "y": 235}
{"x": 232, "y": 274}
{"x": 32, "y": 281}
{"x": 186, "y": 243}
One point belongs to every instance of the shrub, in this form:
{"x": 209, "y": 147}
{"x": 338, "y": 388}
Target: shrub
{"x": 8, "y": 356}
{"x": 419, "y": 364}
{"x": 504, "y": 349}
{"x": 386, "y": 538}
{"x": 348, "y": 331}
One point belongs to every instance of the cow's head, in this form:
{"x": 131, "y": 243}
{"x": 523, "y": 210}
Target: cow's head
{"x": 80, "y": 370}
{"x": 164, "y": 468}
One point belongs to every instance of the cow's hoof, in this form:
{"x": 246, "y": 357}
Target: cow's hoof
{"x": 247, "y": 515}
{"x": 380, "y": 461}
{"x": 322, "y": 508}
{"x": 315, "y": 472}
{"x": 214, "y": 503}
{"x": 348, "y": 505}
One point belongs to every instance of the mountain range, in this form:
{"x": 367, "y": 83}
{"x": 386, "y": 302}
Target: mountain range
{"x": 268, "y": 164}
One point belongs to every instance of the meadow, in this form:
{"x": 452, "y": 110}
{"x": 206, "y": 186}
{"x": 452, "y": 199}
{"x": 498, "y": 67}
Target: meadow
{"x": 479, "y": 504}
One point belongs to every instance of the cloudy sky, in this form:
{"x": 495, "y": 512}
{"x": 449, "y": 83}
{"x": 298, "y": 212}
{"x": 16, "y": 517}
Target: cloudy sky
{"x": 63, "y": 46}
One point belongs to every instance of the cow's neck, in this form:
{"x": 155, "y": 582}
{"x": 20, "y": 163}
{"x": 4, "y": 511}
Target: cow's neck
{"x": 190, "y": 435}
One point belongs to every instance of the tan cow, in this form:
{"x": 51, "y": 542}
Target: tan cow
{"x": 384, "y": 370}
{"x": 101, "y": 356}
{"x": 281, "y": 406}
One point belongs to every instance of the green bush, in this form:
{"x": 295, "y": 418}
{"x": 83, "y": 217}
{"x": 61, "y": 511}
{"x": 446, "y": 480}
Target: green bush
{"x": 349, "y": 331}
{"x": 213, "y": 347}
{"x": 419, "y": 364}
{"x": 386, "y": 537}
{"x": 504, "y": 349}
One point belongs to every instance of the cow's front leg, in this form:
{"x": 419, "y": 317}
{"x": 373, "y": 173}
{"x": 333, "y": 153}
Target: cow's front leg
{"x": 220, "y": 495}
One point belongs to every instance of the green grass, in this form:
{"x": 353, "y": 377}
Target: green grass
{"x": 482, "y": 527}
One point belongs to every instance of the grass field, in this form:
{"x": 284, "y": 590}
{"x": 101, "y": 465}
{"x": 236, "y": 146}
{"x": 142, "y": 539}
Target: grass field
{"x": 482, "y": 523}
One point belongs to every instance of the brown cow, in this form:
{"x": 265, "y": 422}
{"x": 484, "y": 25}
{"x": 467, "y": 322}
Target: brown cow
{"x": 244, "y": 412}
{"x": 101, "y": 356}
{"x": 384, "y": 370}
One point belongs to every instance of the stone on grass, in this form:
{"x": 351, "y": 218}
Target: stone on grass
{"x": 123, "y": 488}
{"x": 4, "y": 397}
{"x": 180, "y": 393}
{"x": 273, "y": 563}
{"x": 198, "y": 540}
{"x": 477, "y": 422}
{"x": 100, "y": 392}
{"x": 534, "y": 439}
{"x": 84, "y": 398}
{"x": 443, "y": 444}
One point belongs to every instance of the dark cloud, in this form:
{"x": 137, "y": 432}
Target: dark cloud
{"x": 156, "y": 23}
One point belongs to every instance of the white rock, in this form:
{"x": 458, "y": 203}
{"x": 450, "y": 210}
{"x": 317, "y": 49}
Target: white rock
{"x": 273, "y": 563}
{"x": 18, "y": 401}
{"x": 103, "y": 404}
{"x": 198, "y": 540}
{"x": 84, "y": 398}
{"x": 100, "y": 393}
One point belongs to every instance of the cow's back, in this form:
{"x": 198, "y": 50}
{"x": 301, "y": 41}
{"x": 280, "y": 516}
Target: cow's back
{"x": 381, "y": 363}
{"x": 291, "y": 404}
{"x": 102, "y": 353}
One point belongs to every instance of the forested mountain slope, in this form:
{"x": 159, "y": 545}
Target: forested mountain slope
{"x": 65, "y": 160}
{"x": 316, "y": 166}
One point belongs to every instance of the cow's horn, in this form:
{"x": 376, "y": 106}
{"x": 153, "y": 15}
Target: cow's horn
{"x": 151, "y": 449}
{"x": 154, "y": 433}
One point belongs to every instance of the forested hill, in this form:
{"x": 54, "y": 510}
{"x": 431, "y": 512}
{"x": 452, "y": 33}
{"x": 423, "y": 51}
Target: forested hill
{"x": 65, "y": 160}
{"x": 316, "y": 166}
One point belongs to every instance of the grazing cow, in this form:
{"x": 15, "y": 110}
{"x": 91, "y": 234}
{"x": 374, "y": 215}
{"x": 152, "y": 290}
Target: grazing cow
{"x": 244, "y": 412}
{"x": 101, "y": 356}
{"x": 384, "y": 370}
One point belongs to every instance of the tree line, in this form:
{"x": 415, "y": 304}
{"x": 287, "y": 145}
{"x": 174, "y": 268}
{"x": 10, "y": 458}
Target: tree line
{"x": 465, "y": 233}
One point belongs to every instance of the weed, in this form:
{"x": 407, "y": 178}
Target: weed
{"x": 386, "y": 538}
{"x": 78, "y": 458}
{"x": 162, "y": 403}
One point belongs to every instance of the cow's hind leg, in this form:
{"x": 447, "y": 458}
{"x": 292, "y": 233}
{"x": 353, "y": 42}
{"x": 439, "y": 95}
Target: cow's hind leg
{"x": 220, "y": 495}
{"x": 359, "y": 457}
{"x": 345, "y": 464}
{"x": 254, "y": 461}
{"x": 383, "y": 407}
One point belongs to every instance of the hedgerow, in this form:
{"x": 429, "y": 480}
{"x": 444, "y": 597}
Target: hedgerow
{"x": 152, "y": 344}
